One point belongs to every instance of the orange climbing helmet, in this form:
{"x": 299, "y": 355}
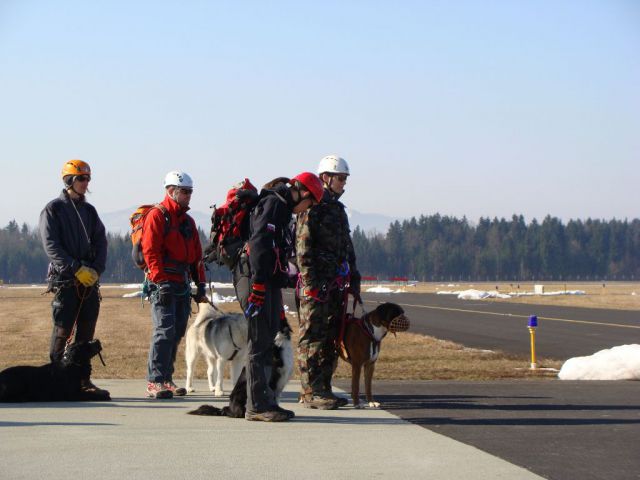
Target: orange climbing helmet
{"x": 76, "y": 167}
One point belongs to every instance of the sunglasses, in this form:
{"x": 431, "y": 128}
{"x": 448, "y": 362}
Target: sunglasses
{"x": 186, "y": 191}
{"x": 83, "y": 178}
{"x": 340, "y": 178}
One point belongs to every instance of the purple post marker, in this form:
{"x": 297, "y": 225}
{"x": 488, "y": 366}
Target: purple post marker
{"x": 533, "y": 323}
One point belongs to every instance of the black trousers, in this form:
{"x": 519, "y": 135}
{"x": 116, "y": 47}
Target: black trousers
{"x": 262, "y": 331}
{"x": 73, "y": 304}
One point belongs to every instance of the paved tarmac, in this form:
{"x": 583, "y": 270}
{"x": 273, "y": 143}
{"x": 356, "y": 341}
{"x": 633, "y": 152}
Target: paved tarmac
{"x": 133, "y": 437}
{"x": 561, "y": 430}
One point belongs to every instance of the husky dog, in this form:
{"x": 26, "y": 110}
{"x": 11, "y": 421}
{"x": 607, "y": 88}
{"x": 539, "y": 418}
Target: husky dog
{"x": 280, "y": 375}
{"x": 221, "y": 337}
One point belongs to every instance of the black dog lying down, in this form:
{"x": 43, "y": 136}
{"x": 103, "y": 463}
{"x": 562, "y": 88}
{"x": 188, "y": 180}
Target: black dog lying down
{"x": 237, "y": 401}
{"x": 53, "y": 382}
{"x": 280, "y": 375}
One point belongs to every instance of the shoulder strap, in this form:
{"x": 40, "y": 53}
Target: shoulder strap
{"x": 167, "y": 217}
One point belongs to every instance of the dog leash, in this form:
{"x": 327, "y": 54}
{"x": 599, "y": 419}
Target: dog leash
{"x": 87, "y": 290}
{"x": 236, "y": 347}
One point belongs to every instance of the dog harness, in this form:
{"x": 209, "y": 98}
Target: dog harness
{"x": 364, "y": 324}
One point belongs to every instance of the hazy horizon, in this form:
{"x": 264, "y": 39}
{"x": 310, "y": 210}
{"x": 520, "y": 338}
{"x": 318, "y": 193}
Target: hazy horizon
{"x": 472, "y": 108}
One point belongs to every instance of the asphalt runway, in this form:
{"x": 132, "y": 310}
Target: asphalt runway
{"x": 557, "y": 429}
{"x": 562, "y": 333}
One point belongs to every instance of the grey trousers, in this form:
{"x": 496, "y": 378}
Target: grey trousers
{"x": 169, "y": 326}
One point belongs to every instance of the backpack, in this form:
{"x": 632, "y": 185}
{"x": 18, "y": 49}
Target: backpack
{"x": 230, "y": 225}
{"x": 136, "y": 220}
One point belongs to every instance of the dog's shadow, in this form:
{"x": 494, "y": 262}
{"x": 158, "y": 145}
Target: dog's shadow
{"x": 57, "y": 424}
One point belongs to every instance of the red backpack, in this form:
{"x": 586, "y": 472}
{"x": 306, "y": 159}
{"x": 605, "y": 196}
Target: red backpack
{"x": 136, "y": 220}
{"x": 230, "y": 225}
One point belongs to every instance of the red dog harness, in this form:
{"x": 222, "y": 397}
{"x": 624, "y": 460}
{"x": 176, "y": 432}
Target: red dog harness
{"x": 363, "y": 323}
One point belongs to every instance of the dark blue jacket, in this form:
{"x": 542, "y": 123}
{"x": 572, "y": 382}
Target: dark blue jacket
{"x": 270, "y": 242}
{"x": 65, "y": 241}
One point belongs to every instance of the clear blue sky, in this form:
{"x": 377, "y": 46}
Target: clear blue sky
{"x": 476, "y": 108}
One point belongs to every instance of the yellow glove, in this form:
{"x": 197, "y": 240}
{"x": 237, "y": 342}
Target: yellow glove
{"x": 87, "y": 276}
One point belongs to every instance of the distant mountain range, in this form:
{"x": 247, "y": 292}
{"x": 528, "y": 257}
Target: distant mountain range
{"x": 118, "y": 221}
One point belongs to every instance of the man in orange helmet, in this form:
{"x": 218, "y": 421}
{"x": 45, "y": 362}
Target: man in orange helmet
{"x": 75, "y": 241}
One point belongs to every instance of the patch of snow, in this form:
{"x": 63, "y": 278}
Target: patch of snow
{"x": 473, "y": 294}
{"x": 217, "y": 298}
{"x": 477, "y": 350}
{"x": 133, "y": 294}
{"x": 566, "y": 292}
{"x": 380, "y": 289}
{"x": 480, "y": 294}
{"x": 551, "y": 294}
{"x": 617, "y": 363}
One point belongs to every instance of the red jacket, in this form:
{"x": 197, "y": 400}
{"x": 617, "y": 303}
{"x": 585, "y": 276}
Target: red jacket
{"x": 173, "y": 253}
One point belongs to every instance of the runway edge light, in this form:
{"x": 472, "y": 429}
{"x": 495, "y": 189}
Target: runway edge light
{"x": 531, "y": 325}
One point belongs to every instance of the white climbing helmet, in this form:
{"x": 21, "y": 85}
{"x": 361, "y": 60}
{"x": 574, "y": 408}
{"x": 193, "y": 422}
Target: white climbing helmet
{"x": 178, "y": 179}
{"x": 333, "y": 164}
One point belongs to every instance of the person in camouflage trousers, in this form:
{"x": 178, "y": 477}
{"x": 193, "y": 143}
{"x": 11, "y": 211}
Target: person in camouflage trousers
{"x": 327, "y": 265}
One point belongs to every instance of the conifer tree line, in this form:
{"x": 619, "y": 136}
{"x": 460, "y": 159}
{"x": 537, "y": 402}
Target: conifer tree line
{"x": 428, "y": 248}
{"x": 442, "y": 248}
{"x": 22, "y": 258}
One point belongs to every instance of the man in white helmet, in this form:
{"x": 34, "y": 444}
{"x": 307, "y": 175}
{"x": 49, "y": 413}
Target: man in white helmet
{"x": 327, "y": 264}
{"x": 173, "y": 256}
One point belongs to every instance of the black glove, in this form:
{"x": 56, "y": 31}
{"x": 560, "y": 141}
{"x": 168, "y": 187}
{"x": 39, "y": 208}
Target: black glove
{"x": 201, "y": 294}
{"x": 256, "y": 300}
{"x": 164, "y": 295}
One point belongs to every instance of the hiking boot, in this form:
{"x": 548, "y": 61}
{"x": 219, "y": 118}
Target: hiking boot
{"x": 340, "y": 401}
{"x": 288, "y": 413}
{"x": 176, "y": 390}
{"x": 87, "y": 387}
{"x": 158, "y": 390}
{"x": 319, "y": 403}
{"x": 269, "y": 416}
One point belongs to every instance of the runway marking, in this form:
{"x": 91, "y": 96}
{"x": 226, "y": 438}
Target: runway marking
{"x": 482, "y": 312}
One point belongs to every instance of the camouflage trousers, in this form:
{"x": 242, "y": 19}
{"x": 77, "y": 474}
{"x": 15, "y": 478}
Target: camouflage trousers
{"x": 317, "y": 354}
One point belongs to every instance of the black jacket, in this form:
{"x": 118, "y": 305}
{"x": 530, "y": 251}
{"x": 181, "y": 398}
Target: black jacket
{"x": 65, "y": 241}
{"x": 270, "y": 242}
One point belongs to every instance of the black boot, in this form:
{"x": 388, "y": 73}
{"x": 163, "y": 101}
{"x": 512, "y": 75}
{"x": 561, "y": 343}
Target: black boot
{"x": 86, "y": 386}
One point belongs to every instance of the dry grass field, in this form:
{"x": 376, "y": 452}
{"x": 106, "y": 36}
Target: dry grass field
{"x": 609, "y": 295}
{"x": 124, "y": 328}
